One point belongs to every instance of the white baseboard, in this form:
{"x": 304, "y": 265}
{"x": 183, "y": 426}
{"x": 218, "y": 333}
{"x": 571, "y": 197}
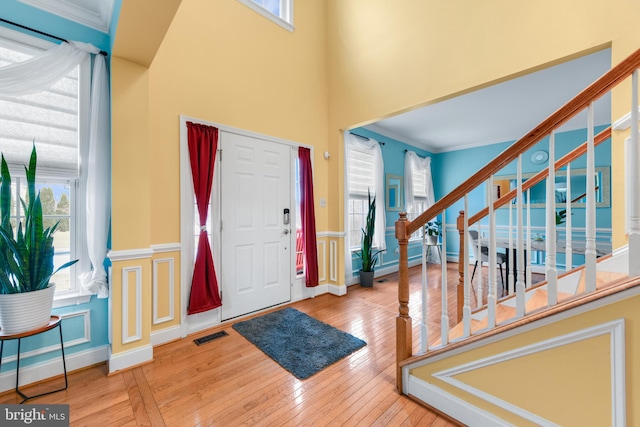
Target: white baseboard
{"x": 165, "y": 335}
{"x": 53, "y": 367}
{"x": 128, "y": 359}
{"x": 337, "y": 290}
{"x": 451, "y": 405}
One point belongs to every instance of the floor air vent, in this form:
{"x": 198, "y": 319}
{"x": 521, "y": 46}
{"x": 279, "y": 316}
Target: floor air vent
{"x": 211, "y": 337}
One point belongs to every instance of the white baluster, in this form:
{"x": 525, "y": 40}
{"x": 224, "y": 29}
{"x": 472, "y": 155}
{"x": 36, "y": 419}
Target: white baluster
{"x": 529, "y": 279}
{"x": 590, "y": 221}
{"x": 444, "y": 319}
{"x": 424, "y": 335}
{"x": 492, "y": 288}
{"x": 633, "y": 179}
{"x": 466, "y": 310}
{"x": 568, "y": 222}
{"x": 511, "y": 280}
{"x": 550, "y": 261}
{"x": 520, "y": 298}
{"x": 480, "y": 292}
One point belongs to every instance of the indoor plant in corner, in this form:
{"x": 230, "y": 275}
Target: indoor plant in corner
{"x": 368, "y": 254}
{"x": 26, "y": 258}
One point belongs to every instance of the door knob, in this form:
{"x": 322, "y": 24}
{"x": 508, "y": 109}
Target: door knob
{"x": 286, "y": 231}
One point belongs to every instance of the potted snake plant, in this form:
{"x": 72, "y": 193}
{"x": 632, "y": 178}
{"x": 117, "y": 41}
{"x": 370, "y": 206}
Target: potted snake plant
{"x": 26, "y": 258}
{"x": 367, "y": 253}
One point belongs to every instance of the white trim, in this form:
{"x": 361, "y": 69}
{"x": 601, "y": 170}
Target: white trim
{"x": 52, "y": 367}
{"x": 166, "y": 335}
{"x": 286, "y": 23}
{"x": 322, "y": 260}
{"x": 337, "y": 290}
{"x": 615, "y": 330}
{"x": 157, "y": 320}
{"x": 70, "y": 298}
{"x": 166, "y": 247}
{"x": 56, "y": 347}
{"x": 333, "y": 261}
{"x": 129, "y": 254}
{"x": 126, "y": 338}
{"x": 130, "y": 358}
{"x": 97, "y": 19}
{"x": 624, "y": 122}
{"x": 230, "y": 129}
{"x": 447, "y": 403}
{"x": 337, "y": 234}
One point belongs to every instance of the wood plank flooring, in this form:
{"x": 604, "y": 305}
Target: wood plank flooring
{"x": 229, "y": 382}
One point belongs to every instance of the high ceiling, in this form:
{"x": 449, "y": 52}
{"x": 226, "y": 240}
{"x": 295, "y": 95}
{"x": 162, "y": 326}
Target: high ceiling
{"x": 503, "y": 112}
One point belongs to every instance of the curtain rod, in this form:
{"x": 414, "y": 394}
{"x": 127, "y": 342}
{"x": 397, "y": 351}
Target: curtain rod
{"x": 24, "y": 27}
{"x": 422, "y": 157}
{"x": 364, "y": 137}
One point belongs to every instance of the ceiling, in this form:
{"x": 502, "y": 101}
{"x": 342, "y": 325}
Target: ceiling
{"x": 92, "y": 13}
{"x": 503, "y": 112}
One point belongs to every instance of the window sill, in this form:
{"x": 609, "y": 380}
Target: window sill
{"x": 70, "y": 298}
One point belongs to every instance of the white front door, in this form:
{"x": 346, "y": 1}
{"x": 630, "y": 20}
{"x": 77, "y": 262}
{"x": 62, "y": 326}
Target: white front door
{"x": 256, "y": 238}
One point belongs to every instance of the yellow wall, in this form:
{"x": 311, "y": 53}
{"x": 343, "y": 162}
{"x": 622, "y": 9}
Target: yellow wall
{"x": 222, "y": 62}
{"x": 568, "y": 385}
{"x": 385, "y": 59}
{"x": 348, "y": 63}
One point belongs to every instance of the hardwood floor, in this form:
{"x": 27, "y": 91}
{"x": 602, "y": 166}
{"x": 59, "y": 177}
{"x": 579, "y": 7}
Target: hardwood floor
{"x": 229, "y": 382}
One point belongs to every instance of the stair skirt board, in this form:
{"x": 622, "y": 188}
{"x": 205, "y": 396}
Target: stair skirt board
{"x": 466, "y": 413}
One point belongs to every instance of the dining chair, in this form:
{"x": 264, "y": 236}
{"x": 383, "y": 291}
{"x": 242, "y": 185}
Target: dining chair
{"x": 483, "y": 255}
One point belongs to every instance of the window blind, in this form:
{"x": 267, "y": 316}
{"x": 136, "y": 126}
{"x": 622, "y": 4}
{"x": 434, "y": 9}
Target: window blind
{"x": 49, "y": 118}
{"x": 361, "y": 171}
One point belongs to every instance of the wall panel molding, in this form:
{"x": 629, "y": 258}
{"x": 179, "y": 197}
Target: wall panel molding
{"x": 126, "y": 338}
{"x": 171, "y": 291}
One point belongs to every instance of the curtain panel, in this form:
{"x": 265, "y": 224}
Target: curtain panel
{"x": 203, "y": 146}
{"x": 38, "y": 74}
{"x": 310, "y": 245}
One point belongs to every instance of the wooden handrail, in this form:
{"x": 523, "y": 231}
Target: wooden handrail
{"x": 405, "y": 228}
{"x": 593, "y": 92}
{"x": 540, "y": 176}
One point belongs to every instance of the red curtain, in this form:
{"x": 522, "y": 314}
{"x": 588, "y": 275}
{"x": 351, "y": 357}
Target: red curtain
{"x": 308, "y": 217}
{"x": 203, "y": 145}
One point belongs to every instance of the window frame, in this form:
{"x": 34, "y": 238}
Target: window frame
{"x": 75, "y": 294}
{"x": 285, "y": 20}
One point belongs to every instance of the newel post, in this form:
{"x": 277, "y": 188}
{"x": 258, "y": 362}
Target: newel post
{"x": 403, "y": 321}
{"x": 461, "y": 252}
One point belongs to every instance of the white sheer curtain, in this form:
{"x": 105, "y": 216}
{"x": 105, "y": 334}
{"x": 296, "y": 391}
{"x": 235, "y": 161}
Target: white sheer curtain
{"x": 416, "y": 166}
{"x": 358, "y": 183}
{"x": 418, "y": 186}
{"x": 38, "y": 74}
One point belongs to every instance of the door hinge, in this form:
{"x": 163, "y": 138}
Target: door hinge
{"x": 220, "y": 225}
{"x": 220, "y": 154}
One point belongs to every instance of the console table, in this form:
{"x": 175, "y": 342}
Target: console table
{"x": 54, "y": 322}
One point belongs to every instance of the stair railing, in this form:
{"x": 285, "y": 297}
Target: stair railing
{"x": 405, "y": 228}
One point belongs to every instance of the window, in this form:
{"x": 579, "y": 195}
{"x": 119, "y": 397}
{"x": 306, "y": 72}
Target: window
{"x": 54, "y": 121}
{"x": 418, "y": 188}
{"x": 419, "y": 205}
{"x": 364, "y": 176}
{"x": 279, "y": 11}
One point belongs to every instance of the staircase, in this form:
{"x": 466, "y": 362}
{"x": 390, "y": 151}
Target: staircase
{"x": 557, "y": 352}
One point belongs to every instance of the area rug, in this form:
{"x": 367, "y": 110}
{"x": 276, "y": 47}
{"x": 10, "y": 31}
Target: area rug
{"x": 299, "y": 343}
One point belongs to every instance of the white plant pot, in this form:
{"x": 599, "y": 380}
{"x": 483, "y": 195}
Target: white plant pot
{"x": 26, "y": 311}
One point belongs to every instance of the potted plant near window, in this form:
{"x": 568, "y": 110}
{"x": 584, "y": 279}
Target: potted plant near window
{"x": 433, "y": 229}
{"x": 26, "y": 258}
{"x": 367, "y": 254}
